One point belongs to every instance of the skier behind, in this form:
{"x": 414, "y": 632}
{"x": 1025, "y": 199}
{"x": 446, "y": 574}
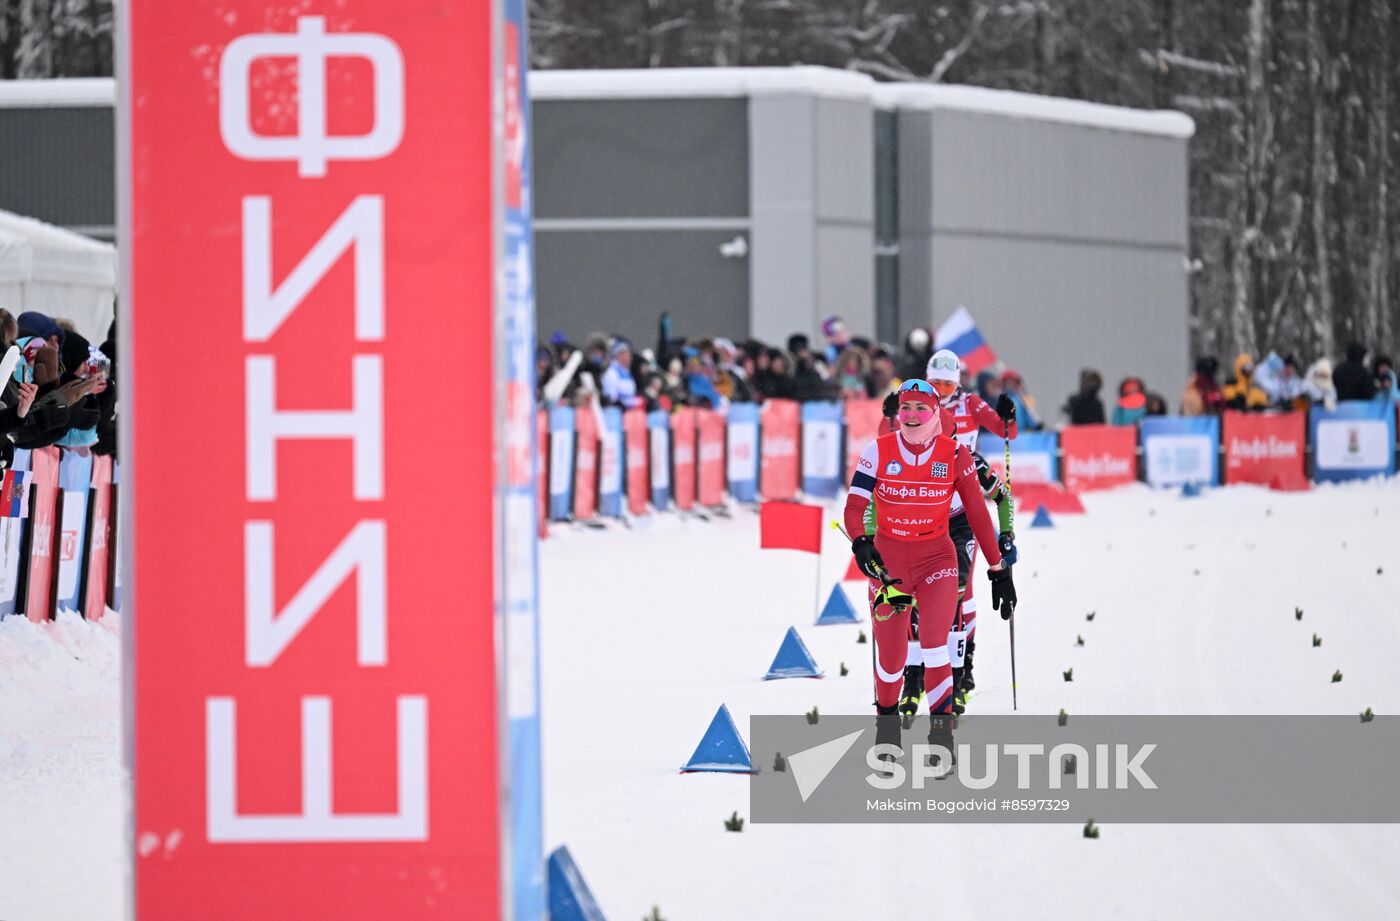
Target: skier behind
{"x": 913, "y": 474}
{"x": 971, "y": 414}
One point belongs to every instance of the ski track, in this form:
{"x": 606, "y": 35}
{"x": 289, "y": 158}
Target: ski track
{"x": 698, "y": 611}
{"x": 647, "y": 629}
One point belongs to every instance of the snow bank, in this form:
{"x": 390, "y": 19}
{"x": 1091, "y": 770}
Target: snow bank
{"x": 62, "y": 784}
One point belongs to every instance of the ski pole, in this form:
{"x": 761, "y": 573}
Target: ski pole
{"x": 1012, "y": 621}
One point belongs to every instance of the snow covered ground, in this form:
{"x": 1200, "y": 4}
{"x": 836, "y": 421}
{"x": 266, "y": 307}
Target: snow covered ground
{"x": 647, "y": 630}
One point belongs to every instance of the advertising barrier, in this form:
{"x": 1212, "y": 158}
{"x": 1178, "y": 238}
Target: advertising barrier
{"x": 1354, "y": 441}
{"x": 610, "y": 464}
{"x": 1265, "y": 448}
{"x": 822, "y": 449}
{"x": 635, "y": 449}
{"x": 742, "y": 466}
{"x": 586, "y": 443}
{"x": 659, "y": 432}
{"x": 862, "y": 425}
{"x": 99, "y": 544}
{"x": 75, "y": 479}
{"x": 1033, "y": 456}
{"x": 561, "y": 463}
{"x": 781, "y": 431}
{"x": 12, "y": 532}
{"x": 683, "y": 424}
{"x": 1177, "y": 450}
{"x": 1098, "y": 456}
{"x": 710, "y": 459}
{"x": 43, "y": 534}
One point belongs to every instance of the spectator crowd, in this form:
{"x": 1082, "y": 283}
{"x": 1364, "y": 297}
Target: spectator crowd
{"x": 714, "y": 372}
{"x": 60, "y": 391}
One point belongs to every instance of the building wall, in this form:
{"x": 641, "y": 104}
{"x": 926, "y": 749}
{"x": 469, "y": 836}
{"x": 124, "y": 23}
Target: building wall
{"x": 57, "y": 164}
{"x": 1067, "y": 243}
{"x": 633, "y": 199}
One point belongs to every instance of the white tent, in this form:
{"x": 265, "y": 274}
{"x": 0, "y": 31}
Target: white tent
{"x": 57, "y": 272}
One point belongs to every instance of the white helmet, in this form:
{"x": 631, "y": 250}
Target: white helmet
{"x": 944, "y": 366}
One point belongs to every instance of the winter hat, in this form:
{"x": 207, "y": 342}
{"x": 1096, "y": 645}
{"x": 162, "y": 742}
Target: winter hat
{"x": 34, "y": 323}
{"x": 833, "y": 326}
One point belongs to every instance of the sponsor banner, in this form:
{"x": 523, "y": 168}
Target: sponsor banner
{"x": 586, "y": 447}
{"x": 635, "y": 446}
{"x": 710, "y": 457}
{"x": 743, "y": 452}
{"x": 39, "y": 595}
{"x": 862, "y": 426}
{"x": 610, "y": 464}
{"x": 659, "y": 439}
{"x": 75, "y": 479}
{"x": 1177, "y": 450}
{"x": 542, "y": 470}
{"x": 1032, "y": 456}
{"x": 778, "y": 460}
{"x": 1354, "y": 441}
{"x": 99, "y": 547}
{"x": 822, "y": 449}
{"x": 331, "y": 726}
{"x": 12, "y": 535}
{"x": 561, "y": 463}
{"x": 14, "y": 494}
{"x": 1097, "y": 456}
{"x": 683, "y": 424}
{"x": 1265, "y": 448}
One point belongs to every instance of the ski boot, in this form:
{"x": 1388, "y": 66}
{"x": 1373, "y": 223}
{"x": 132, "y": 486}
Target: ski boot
{"x": 887, "y": 732}
{"x": 967, "y": 683}
{"x": 940, "y": 732}
{"x": 959, "y": 698}
{"x": 912, "y": 694}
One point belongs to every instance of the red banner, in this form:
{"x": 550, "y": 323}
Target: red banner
{"x": 780, "y": 422}
{"x": 1098, "y": 456}
{"x": 43, "y": 523}
{"x": 1265, "y": 449}
{"x": 710, "y": 463}
{"x": 100, "y": 540}
{"x": 683, "y": 424}
{"x": 316, "y": 683}
{"x": 637, "y": 445}
{"x": 586, "y": 447}
{"x": 863, "y": 419}
{"x": 542, "y": 471}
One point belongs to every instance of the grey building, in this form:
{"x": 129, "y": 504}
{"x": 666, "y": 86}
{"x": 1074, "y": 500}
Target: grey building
{"x": 740, "y": 200}
{"x": 1061, "y": 226}
{"x": 57, "y": 148}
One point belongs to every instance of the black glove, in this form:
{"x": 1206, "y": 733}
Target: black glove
{"x": 1003, "y": 591}
{"x": 1006, "y": 408}
{"x": 867, "y": 557}
{"x": 890, "y": 408}
{"x": 1007, "y": 544}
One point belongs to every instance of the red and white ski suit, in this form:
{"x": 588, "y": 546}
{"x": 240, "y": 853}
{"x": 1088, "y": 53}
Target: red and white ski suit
{"x": 914, "y": 487}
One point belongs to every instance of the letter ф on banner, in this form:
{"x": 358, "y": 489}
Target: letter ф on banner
{"x": 327, "y": 726}
{"x": 1099, "y": 456}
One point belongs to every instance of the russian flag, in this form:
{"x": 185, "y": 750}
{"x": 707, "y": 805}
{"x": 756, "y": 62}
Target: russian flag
{"x": 960, "y": 335}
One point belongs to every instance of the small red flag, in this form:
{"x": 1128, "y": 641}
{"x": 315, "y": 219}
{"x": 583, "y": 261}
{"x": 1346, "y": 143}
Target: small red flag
{"x": 790, "y": 526}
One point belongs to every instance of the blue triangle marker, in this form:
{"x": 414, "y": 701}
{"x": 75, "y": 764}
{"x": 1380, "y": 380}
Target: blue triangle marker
{"x": 838, "y": 609}
{"x": 1190, "y": 490}
{"x": 1042, "y": 518}
{"x": 570, "y": 899}
{"x": 722, "y": 749}
{"x": 793, "y": 660}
